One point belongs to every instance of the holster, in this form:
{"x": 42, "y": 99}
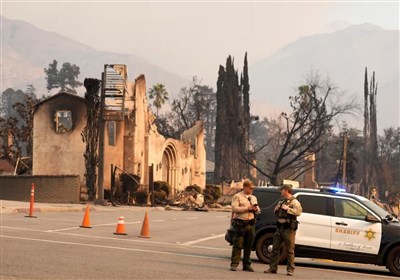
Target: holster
{"x": 240, "y": 226}
{"x": 292, "y": 225}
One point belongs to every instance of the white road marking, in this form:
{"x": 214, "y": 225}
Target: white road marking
{"x": 203, "y": 239}
{"x": 99, "y": 225}
{"x": 112, "y": 247}
{"x": 167, "y": 253}
{"x": 120, "y": 239}
{"x": 343, "y": 271}
{"x": 113, "y": 224}
{"x": 61, "y": 229}
{"x": 27, "y": 229}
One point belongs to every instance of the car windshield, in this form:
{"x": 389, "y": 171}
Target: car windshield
{"x": 377, "y": 210}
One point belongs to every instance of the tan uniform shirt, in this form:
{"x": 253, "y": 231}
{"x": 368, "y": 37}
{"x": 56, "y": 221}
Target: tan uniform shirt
{"x": 294, "y": 208}
{"x": 240, "y": 206}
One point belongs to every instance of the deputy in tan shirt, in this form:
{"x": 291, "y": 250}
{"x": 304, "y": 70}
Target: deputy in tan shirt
{"x": 244, "y": 207}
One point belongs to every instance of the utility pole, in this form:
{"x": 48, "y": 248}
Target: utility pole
{"x": 151, "y": 183}
{"x": 344, "y": 181}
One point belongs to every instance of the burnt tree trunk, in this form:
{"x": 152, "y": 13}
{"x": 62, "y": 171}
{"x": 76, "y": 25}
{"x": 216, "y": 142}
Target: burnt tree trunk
{"x": 374, "y": 164}
{"x": 366, "y": 138}
{"x": 90, "y": 134}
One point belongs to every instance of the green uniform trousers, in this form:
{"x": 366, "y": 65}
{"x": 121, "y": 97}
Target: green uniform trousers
{"x": 242, "y": 239}
{"x": 286, "y": 236}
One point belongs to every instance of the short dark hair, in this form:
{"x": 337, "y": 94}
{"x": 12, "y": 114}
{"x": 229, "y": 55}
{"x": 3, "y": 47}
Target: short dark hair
{"x": 249, "y": 184}
{"x": 287, "y": 187}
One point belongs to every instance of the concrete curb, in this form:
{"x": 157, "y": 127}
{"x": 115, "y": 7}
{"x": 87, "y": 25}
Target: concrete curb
{"x": 10, "y": 210}
{"x": 18, "y": 207}
{"x": 50, "y": 209}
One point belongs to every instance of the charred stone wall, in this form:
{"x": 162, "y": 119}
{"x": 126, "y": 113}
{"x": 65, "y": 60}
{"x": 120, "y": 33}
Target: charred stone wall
{"x": 59, "y": 153}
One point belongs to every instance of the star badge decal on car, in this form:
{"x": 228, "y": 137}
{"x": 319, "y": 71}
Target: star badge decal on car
{"x": 369, "y": 234}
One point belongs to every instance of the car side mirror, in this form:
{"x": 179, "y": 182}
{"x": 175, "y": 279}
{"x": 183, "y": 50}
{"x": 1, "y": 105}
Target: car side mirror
{"x": 371, "y": 218}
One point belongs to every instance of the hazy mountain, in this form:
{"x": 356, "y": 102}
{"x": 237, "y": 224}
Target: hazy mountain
{"x": 342, "y": 57}
{"x": 27, "y": 50}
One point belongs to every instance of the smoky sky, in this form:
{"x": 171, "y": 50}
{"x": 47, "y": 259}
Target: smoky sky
{"x": 191, "y": 38}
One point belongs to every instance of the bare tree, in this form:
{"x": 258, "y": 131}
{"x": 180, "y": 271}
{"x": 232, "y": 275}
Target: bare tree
{"x": 389, "y": 159}
{"x": 370, "y": 165}
{"x": 300, "y": 133}
{"x": 17, "y": 123}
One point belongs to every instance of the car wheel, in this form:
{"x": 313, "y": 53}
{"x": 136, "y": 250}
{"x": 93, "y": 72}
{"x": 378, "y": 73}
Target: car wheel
{"x": 262, "y": 245}
{"x": 393, "y": 261}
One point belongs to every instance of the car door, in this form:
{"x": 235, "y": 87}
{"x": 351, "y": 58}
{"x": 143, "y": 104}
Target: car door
{"x": 315, "y": 227}
{"x": 350, "y": 231}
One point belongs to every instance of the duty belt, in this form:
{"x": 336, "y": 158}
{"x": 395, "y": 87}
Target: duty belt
{"x": 244, "y": 223}
{"x": 282, "y": 225}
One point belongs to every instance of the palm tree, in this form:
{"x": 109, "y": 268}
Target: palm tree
{"x": 159, "y": 94}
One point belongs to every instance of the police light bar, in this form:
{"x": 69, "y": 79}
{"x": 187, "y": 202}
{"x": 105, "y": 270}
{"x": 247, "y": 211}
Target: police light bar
{"x": 332, "y": 190}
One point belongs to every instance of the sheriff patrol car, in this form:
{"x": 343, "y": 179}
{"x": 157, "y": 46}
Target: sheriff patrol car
{"x": 334, "y": 225}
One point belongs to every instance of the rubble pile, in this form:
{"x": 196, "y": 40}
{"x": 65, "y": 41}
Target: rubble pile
{"x": 192, "y": 200}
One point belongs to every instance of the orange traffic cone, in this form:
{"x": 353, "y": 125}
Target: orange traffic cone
{"x": 145, "y": 227}
{"x": 31, "y": 202}
{"x": 120, "y": 226}
{"x": 86, "y": 218}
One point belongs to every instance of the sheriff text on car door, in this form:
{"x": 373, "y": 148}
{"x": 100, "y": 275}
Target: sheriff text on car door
{"x": 350, "y": 230}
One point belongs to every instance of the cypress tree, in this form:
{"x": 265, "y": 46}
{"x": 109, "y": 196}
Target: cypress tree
{"x": 221, "y": 130}
{"x": 233, "y": 119}
{"x": 232, "y": 112}
{"x": 245, "y": 86}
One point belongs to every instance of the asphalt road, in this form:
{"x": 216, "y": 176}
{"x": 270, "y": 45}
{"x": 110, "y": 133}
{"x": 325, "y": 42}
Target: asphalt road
{"x": 182, "y": 245}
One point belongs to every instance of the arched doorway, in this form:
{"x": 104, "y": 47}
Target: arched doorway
{"x": 169, "y": 166}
